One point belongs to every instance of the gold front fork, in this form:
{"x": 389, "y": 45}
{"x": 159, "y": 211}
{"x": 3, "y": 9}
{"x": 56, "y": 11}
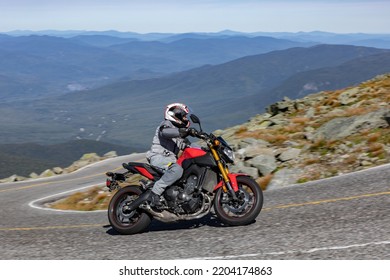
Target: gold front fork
{"x": 224, "y": 170}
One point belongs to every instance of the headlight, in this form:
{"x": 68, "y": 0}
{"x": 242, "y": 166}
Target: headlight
{"x": 228, "y": 155}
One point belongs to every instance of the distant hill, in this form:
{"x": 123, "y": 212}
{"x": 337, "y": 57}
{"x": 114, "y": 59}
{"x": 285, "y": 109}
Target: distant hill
{"x": 101, "y": 40}
{"x": 23, "y": 159}
{"x": 332, "y": 78}
{"x": 199, "y": 50}
{"x": 316, "y": 37}
{"x": 356, "y": 39}
{"x": 127, "y": 113}
{"x": 51, "y": 66}
{"x": 47, "y": 65}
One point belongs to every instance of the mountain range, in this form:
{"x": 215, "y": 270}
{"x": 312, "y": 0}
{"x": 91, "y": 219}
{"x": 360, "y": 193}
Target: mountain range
{"x": 111, "y": 87}
{"x": 40, "y": 66}
{"x": 36, "y": 64}
{"x": 317, "y": 37}
{"x": 127, "y": 112}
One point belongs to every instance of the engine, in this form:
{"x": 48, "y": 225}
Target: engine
{"x": 184, "y": 199}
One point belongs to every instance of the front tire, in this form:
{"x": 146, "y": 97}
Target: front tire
{"x": 122, "y": 220}
{"x": 246, "y": 209}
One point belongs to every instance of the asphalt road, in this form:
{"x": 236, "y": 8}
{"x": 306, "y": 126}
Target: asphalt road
{"x": 347, "y": 217}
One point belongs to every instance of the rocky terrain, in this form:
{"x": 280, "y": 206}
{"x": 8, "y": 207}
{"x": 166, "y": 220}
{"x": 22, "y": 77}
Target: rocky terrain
{"x": 321, "y": 135}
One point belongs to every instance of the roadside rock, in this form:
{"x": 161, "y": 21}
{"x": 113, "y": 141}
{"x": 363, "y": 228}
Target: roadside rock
{"x": 266, "y": 164}
{"x": 349, "y": 96}
{"x": 111, "y": 154}
{"x": 58, "y": 170}
{"x": 239, "y": 167}
{"x": 253, "y": 151}
{"x": 251, "y": 142}
{"x": 339, "y": 128}
{"x": 282, "y": 106}
{"x": 13, "y": 178}
{"x": 284, "y": 177}
{"x": 289, "y": 154}
{"x": 47, "y": 173}
{"x": 91, "y": 157}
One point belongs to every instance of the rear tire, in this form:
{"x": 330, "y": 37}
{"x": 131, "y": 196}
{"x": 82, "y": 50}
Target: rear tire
{"x": 246, "y": 209}
{"x": 126, "y": 222}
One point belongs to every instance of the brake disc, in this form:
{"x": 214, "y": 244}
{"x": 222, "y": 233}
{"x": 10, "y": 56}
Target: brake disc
{"x": 239, "y": 206}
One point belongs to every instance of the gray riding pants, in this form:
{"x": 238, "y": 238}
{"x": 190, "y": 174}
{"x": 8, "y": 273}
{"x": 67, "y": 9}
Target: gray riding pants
{"x": 173, "y": 172}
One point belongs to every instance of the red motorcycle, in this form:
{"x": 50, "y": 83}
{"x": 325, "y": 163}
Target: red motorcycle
{"x": 206, "y": 183}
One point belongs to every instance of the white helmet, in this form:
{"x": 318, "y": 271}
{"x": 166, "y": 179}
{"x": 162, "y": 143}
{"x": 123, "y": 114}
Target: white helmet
{"x": 177, "y": 114}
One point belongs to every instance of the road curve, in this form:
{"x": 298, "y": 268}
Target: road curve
{"x": 347, "y": 217}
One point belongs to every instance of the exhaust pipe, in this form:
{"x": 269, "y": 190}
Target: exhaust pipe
{"x": 136, "y": 203}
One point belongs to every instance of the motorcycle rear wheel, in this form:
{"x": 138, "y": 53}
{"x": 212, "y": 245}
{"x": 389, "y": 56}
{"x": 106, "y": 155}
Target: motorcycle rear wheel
{"x": 122, "y": 220}
{"x": 246, "y": 209}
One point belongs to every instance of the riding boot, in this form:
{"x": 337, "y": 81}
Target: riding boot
{"x": 154, "y": 200}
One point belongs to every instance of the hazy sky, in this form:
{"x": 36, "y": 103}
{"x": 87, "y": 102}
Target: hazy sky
{"x": 143, "y": 16}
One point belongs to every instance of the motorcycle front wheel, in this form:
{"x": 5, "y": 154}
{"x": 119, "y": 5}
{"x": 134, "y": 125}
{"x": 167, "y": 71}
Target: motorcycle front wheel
{"x": 247, "y": 207}
{"x": 121, "y": 219}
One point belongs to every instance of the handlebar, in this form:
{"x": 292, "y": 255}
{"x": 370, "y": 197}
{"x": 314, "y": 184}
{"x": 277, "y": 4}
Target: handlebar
{"x": 203, "y": 135}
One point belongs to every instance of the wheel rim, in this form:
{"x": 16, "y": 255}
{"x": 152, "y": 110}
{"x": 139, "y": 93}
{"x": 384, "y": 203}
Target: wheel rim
{"x": 241, "y": 207}
{"x": 123, "y": 215}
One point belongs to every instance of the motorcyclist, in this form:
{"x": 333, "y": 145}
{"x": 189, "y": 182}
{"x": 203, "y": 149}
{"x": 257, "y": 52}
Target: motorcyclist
{"x": 168, "y": 141}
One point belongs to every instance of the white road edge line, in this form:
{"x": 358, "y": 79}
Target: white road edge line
{"x": 33, "y": 204}
{"x": 313, "y": 250}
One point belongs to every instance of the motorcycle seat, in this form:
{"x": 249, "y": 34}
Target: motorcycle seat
{"x": 154, "y": 170}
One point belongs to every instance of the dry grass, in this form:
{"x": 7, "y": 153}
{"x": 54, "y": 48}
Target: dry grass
{"x": 293, "y": 128}
{"x": 300, "y": 120}
{"x": 270, "y": 135}
{"x": 311, "y": 161}
{"x": 376, "y": 150}
{"x": 96, "y": 198}
{"x": 242, "y": 130}
{"x": 264, "y": 181}
{"x": 93, "y": 199}
{"x": 352, "y": 159}
{"x": 350, "y": 112}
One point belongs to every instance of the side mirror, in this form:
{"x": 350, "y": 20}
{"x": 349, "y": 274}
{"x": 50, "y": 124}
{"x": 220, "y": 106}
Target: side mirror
{"x": 194, "y": 119}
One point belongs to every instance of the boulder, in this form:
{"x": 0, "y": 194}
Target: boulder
{"x": 91, "y": 157}
{"x": 239, "y": 167}
{"x": 282, "y": 106}
{"x": 284, "y": 177}
{"x": 13, "y": 178}
{"x": 262, "y": 125}
{"x": 266, "y": 164}
{"x": 289, "y": 154}
{"x": 254, "y": 150}
{"x": 33, "y": 175}
{"x": 349, "y": 96}
{"x": 111, "y": 154}
{"x": 252, "y": 141}
{"x": 310, "y": 113}
{"x": 47, "y": 173}
{"x": 58, "y": 170}
{"x": 340, "y": 128}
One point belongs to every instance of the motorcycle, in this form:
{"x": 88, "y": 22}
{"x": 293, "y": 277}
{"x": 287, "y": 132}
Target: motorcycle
{"x": 206, "y": 184}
